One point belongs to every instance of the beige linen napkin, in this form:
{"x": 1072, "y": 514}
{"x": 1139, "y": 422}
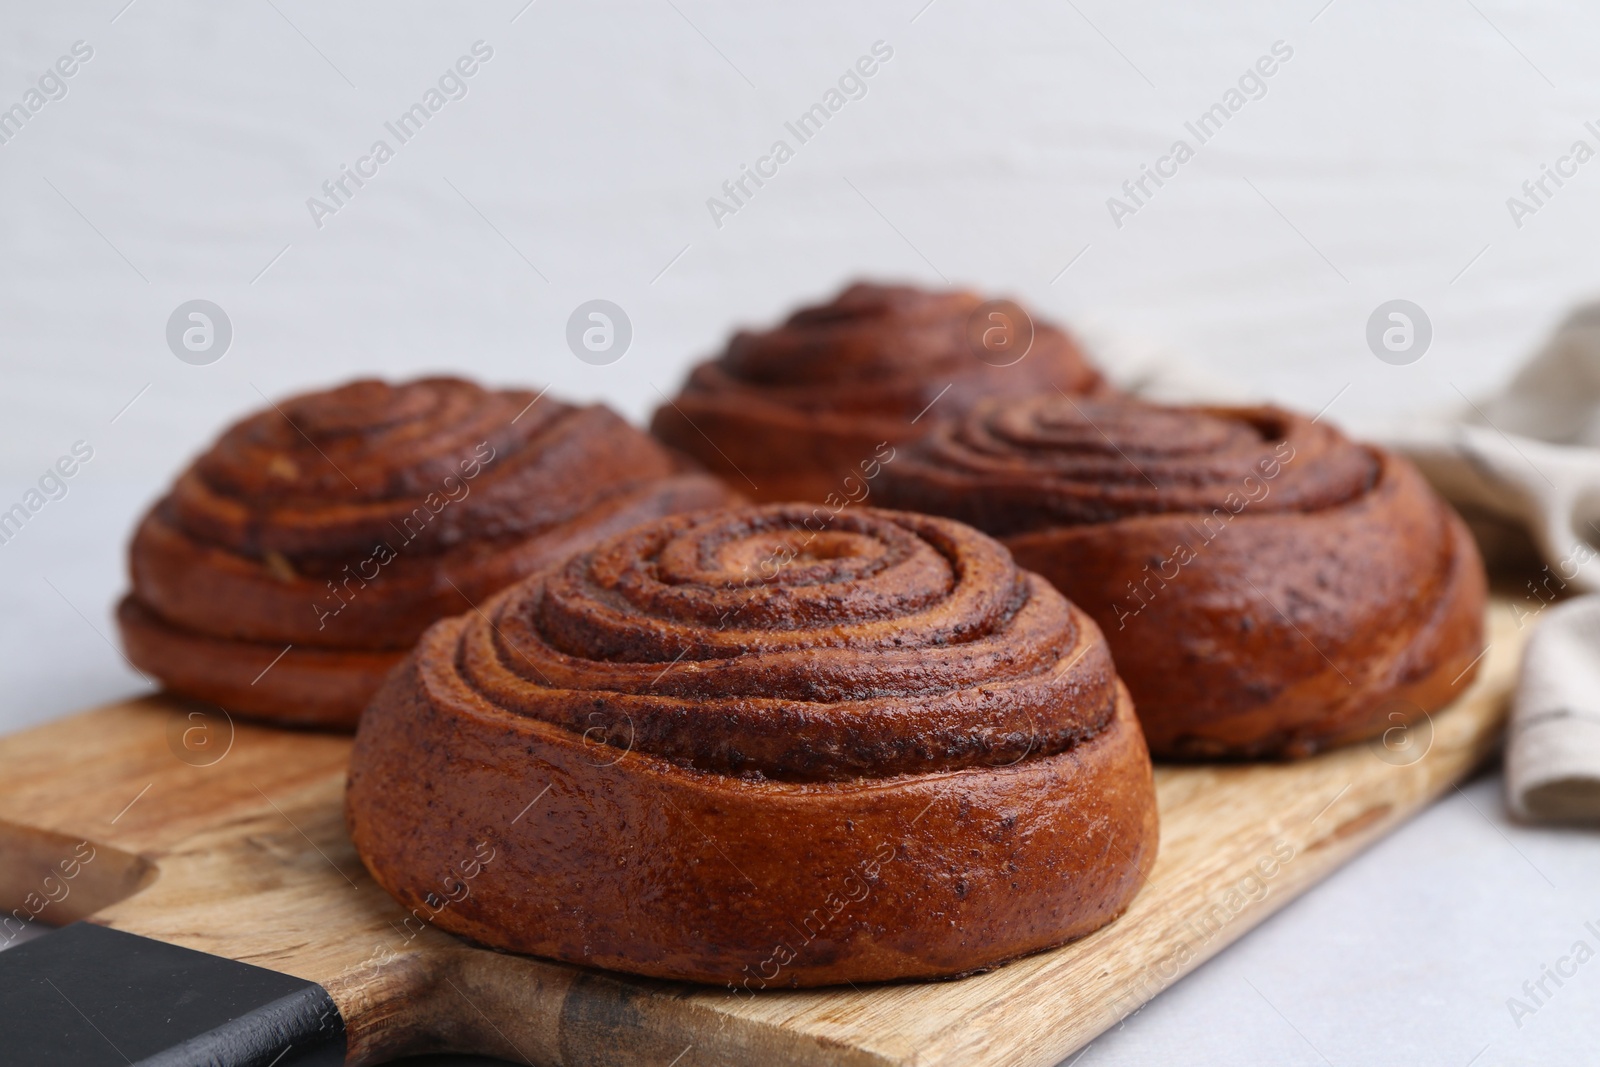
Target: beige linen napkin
{"x": 1531, "y": 456}
{"x": 1553, "y": 751}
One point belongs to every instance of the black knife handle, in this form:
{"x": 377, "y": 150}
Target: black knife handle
{"x": 87, "y": 995}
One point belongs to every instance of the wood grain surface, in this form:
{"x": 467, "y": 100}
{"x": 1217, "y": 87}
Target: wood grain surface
{"x": 229, "y": 838}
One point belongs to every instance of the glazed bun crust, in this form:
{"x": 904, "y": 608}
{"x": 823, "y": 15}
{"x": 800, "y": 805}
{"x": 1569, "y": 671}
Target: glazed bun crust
{"x": 1268, "y": 587}
{"x": 340, "y": 524}
{"x": 878, "y": 744}
{"x": 790, "y": 413}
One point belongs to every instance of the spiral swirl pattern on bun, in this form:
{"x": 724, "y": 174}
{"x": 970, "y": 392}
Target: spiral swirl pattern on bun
{"x": 737, "y": 718}
{"x": 790, "y": 413}
{"x": 339, "y": 524}
{"x": 1268, "y": 586}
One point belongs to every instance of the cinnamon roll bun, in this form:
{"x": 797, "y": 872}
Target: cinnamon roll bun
{"x": 300, "y": 557}
{"x": 792, "y": 412}
{"x": 1268, "y": 586}
{"x": 758, "y": 749}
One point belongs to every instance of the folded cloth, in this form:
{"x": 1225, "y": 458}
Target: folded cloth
{"x": 1531, "y": 455}
{"x": 1553, "y": 750}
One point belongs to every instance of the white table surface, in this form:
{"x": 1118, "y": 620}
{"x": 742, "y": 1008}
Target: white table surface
{"x": 1376, "y": 166}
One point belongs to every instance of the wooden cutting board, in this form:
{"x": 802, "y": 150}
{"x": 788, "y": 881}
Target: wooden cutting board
{"x": 229, "y": 839}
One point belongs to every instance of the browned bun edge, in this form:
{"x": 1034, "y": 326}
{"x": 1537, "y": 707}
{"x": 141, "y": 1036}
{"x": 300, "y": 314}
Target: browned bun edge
{"x": 640, "y": 865}
{"x": 295, "y": 686}
{"x": 1284, "y": 634}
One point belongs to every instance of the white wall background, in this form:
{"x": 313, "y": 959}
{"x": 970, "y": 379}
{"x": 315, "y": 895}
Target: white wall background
{"x": 1376, "y": 166}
